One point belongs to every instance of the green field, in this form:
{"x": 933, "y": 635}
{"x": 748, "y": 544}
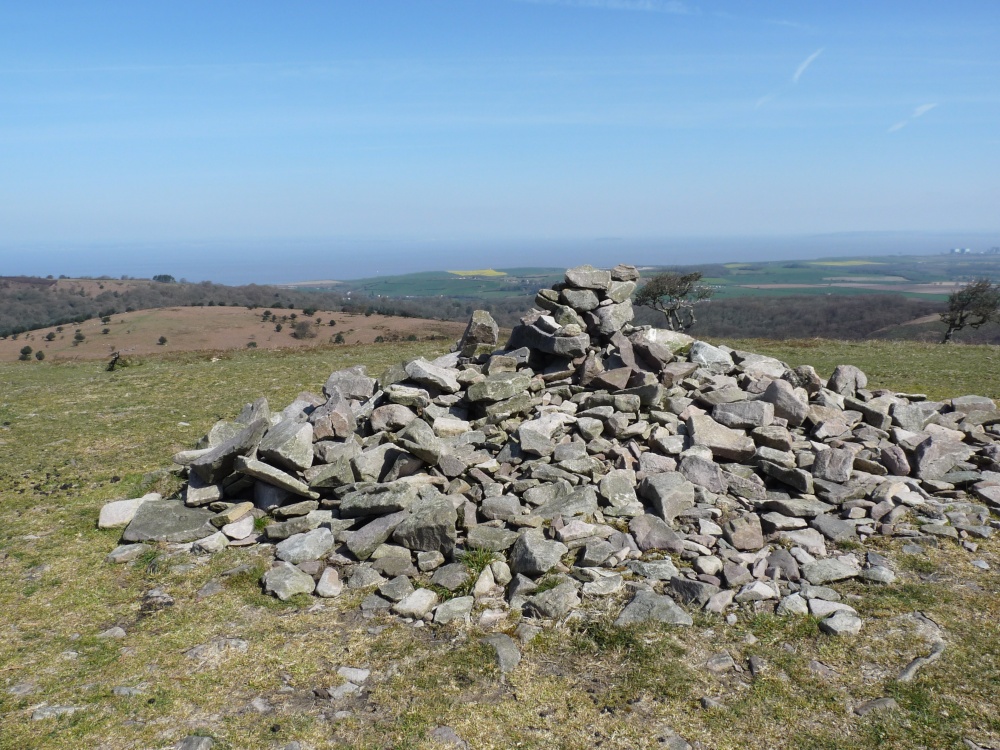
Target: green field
{"x": 75, "y": 436}
{"x": 885, "y": 274}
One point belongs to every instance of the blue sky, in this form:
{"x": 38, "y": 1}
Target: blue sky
{"x": 359, "y": 126}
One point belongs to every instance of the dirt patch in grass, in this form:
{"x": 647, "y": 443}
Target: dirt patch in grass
{"x": 187, "y": 329}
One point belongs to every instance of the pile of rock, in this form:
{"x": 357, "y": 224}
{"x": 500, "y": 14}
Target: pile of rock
{"x": 589, "y": 457}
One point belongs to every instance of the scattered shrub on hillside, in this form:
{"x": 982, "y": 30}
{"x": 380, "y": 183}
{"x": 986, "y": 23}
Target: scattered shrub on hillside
{"x": 50, "y": 336}
{"x": 338, "y": 339}
{"x": 105, "y": 331}
{"x": 332, "y": 323}
{"x": 304, "y": 330}
{"x": 78, "y": 337}
{"x": 251, "y": 345}
{"x": 380, "y": 339}
{"x": 25, "y": 353}
{"x": 39, "y": 355}
{"x": 277, "y": 328}
{"x": 105, "y": 319}
{"x": 309, "y": 311}
{"x": 162, "y": 340}
{"x": 412, "y": 337}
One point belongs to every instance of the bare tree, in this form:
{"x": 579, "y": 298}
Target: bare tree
{"x": 974, "y": 305}
{"x": 675, "y": 295}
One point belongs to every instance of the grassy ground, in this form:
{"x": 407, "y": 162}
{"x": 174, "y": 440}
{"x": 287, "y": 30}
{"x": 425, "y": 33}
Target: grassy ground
{"x": 74, "y": 436}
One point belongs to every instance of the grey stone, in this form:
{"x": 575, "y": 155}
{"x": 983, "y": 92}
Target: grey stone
{"x": 168, "y": 521}
{"x": 451, "y": 576}
{"x": 532, "y": 337}
{"x": 828, "y": 570}
{"x": 289, "y": 444}
{"x": 555, "y": 603}
{"x": 504, "y": 508}
{"x": 833, "y": 528}
{"x": 446, "y": 736}
{"x": 724, "y": 442}
{"x": 378, "y": 500}
{"x": 391, "y": 417}
{"x": 396, "y": 589}
{"x": 693, "y": 592}
{"x": 669, "y": 493}
{"x": 430, "y": 526}
{"x": 284, "y": 580}
{"x": 649, "y": 607}
{"x": 744, "y": 415}
{"x": 841, "y": 623}
{"x": 655, "y": 570}
{"x": 588, "y": 277}
{"x": 893, "y": 458}
{"x": 442, "y": 378}
{"x": 481, "y": 334}
{"x": 508, "y": 654}
{"x": 594, "y": 553}
{"x": 219, "y": 463}
{"x": 119, "y": 513}
{"x": 744, "y": 532}
{"x": 297, "y": 525}
{"x": 936, "y": 456}
{"x": 704, "y": 473}
{"x": 796, "y": 507}
{"x": 352, "y": 382}
{"x": 305, "y": 547}
{"x": 329, "y": 584}
{"x": 266, "y": 473}
{"x": 365, "y": 577}
{"x": 611, "y": 318}
{"x": 419, "y": 439}
{"x": 651, "y": 532}
{"x": 787, "y": 404}
{"x": 491, "y": 538}
{"x": 798, "y": 479}
{"x": 534, "y": 555}
{"x": 582, "y": 501}
{"x": 833, "y": 464}
{"x": 365, "y": 540}
{"x": 876, "y": 705}
{"x": 454, "y": 610}
{"x": 847, "y": 380}
{"x": 417, "y": 604}
{"x": 702, "y": 353}
{"x": 618, "y": 488}
{"x": 124, "y": 553}
{"x": 498, "y": 387}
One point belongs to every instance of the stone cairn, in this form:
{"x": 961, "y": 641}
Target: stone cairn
{"x": 590, "y": 458}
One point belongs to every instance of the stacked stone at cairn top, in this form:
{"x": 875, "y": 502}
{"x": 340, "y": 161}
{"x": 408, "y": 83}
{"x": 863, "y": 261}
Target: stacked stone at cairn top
{"x": 598, "y": 462}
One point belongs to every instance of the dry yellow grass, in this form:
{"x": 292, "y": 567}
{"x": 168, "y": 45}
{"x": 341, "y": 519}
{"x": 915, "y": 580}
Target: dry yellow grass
{"x": 75, "y": 436}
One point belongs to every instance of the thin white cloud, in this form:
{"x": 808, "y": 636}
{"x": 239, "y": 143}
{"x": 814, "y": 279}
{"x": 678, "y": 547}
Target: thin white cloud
{"x": 805, "y": 64}
{"x": 765, "y": 99}
{"x": 647, "y": 6}
{"x": 920, "y": 111}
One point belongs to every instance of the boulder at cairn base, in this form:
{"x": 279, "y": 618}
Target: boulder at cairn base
{"x": 168, "y": 521}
